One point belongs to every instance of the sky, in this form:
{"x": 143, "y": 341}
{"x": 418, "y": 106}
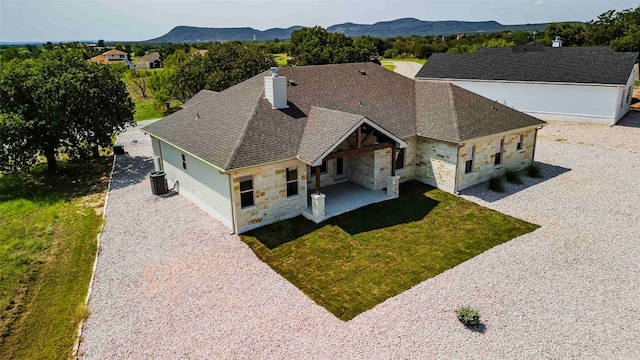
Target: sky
{"x": 137, "y": 20}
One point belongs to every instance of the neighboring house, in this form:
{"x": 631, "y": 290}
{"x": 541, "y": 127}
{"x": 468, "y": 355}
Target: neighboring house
{"x": 113, "y": 56}
{"x": 589, "y": 84}
{"x": 250, "y": 154}
{"x": 149, "y": 61}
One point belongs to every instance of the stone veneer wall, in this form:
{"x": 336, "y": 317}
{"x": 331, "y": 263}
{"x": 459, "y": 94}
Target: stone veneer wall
{"x": 271, "y": 203}
{"x": 483, "y": 165}
{"x": 436, "y": 163}
{"x": 383, "y": 164}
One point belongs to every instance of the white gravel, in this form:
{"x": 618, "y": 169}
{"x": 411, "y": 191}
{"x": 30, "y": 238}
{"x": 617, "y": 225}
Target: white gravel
{"x": 172, "y": 283}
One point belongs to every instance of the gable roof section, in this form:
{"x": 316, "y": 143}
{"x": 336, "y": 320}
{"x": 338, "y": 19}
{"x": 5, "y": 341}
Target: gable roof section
{"x": 326, "y": 129}
{"x": 450, "y": 113}
{"x": 212, "y": 130}
{"x": 582, "y": 65}
{"x": 114, "y": 52}
{"x": 151, "y": 57}
{"x": 202, "y": 95}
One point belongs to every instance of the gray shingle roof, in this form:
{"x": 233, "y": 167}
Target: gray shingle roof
{"x": 585, "y": 65}
{"x": 151, "y": 57}
{"x": 238, "y": 127}
{"x": 451, "y": 113}
{"x": 202, "y": 95}
{"x": 323, "y": 130}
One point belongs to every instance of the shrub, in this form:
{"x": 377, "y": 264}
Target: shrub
{"x": 513, "y": 176}
{"x": 468, "y": 316}
{"x": 496, "y": 183}
{"x": 534, "y": 170}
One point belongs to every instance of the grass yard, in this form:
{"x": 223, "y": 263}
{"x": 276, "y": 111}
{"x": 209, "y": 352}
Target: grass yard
{"x": 48, "y": 229}
{"x": 389, "y": 67}
{"x": 146, "y": 109}
{"x": 419, "y": 61}
{"x": 281, "y": 59}
{"x": 353, "y": 262}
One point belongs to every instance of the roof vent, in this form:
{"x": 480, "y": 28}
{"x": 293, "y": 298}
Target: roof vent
{"x": 292, "y": 83}
{"x": 557, "y": 42}
{"x": 362, "y": 72}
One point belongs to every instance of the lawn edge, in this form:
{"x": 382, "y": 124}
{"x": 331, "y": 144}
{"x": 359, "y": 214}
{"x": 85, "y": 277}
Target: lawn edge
{"x": 76, "y": 345}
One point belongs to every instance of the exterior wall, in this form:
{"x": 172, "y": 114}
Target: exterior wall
{"x": 483, "y": 162}
{"x": 139, "y": 64}
{"x": 383, "y": 164}
{"x": 436, "y": 163}
{"x": 271, "y": 203}
{"x": 361, "y": 168}
{"x": 585, "y": 103}
{"x": 200, "y": 182}
{"x": 624, "y": 101}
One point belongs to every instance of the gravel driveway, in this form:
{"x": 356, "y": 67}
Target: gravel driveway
{"x": 172, "y": 283}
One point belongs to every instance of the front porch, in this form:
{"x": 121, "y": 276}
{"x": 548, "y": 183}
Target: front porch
{"x": 344, "y": 197}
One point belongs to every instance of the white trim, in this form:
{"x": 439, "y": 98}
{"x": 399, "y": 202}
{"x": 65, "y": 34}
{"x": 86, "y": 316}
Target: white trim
{"x": 185, "y": 151}
{"x": 518, "y": 82}
{"x": 564, "y": 114}
{"x": 350, "y": 131}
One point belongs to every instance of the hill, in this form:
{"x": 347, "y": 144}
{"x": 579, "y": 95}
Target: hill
{"x": 399, "y": 27}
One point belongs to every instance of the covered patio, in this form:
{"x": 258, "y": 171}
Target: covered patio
{"x": 344, "y": 197}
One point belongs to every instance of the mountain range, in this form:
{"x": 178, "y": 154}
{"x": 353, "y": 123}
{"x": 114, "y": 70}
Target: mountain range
{"x": 383, "y": 29}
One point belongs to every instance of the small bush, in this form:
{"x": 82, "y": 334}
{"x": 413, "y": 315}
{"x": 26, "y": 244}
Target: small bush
{"x": 534, "y": 170}
{"x": 513, "y": 176}
{"x": 496, "y": 183}
{"x": 468, "y": 316}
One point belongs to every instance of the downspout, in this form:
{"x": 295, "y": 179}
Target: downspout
{"x": 455, "y": 178}
{"x": 535, "y": 143}
{"x": 233, "y": 203}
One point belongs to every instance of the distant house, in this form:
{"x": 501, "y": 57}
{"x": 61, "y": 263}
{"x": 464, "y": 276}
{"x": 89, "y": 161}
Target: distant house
{"x": 321, "y": 140}
{"x": 113, "y": 56}
{"x": 589, "y": 84}
{"x": 149, "y": 61}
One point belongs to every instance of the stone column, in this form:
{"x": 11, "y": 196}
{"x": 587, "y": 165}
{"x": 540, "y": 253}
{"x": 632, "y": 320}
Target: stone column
{"x": 393, "y": 186}
{"x": 317, "y": 206}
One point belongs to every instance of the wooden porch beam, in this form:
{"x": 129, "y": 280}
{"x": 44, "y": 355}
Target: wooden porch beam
{"x": 339, "y": 154}
{"x": 364, "y": 141}
{"x": 317, "y": 180}
{"x": 393, "y": 159}
{"x": 359, "y": 137}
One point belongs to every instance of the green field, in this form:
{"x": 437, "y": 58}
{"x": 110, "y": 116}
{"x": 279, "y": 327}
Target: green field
{"x": 146, "y": 108}
{"x": 48, "y": 230}
{"x": 281, "y": 59}
{"x": 352, "y": 262}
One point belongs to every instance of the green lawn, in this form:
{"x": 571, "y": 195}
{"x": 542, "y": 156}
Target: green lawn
{"x": 355, "y": 261}
{"x": 281, "y": 59}
{"x": 48, "y": 229}
{"x": 146, "y": 109}
{"x": 389, "y": 67}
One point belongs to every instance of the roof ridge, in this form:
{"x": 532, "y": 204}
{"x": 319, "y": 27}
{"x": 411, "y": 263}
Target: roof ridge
{"x": 456, "y": 128}
{"x": 244, "y": 131}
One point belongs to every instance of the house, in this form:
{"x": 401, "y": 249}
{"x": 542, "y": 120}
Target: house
{"x": 149, "y": 61}
{"x": 113, "y": 56}
{"x": 347, "y": 134}
{"x": 588, "y": 84}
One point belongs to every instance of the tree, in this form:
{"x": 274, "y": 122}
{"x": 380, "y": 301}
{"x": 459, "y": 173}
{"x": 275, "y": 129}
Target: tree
{"x": 316, "y": 46}
{"x": 58, "y": 103}
{"x": 138, "y": 80}
{"x": 223, "y": 66}
{"x": 571, "y": 34}
{"x": 100, "y": 43}
{"x": 620, "y": 30}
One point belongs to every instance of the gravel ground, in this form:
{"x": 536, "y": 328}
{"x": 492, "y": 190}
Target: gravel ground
{"x": 172, "y": 283}
{"x": 623, "y": 136}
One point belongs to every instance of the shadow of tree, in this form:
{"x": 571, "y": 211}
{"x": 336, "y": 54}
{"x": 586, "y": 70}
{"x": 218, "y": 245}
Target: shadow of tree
{"x": 480, "y": 190}
{"x": 75, "y": 178}
{"x": 130, "y": 170}
{"x": 412, "y": 205}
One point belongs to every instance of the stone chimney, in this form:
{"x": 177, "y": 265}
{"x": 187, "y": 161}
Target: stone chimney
{"x": 557, "y": 42}
{"x": 275, "y": 89}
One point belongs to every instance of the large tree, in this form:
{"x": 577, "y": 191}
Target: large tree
{"x": 316, "y": 46}
{"x": 223, "y": 66}
{"x": 58, "y": 103}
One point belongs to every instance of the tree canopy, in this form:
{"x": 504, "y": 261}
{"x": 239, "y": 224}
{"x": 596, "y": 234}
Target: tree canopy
{"x": 224, "y": 65}
{"x": 58, "y": 103}
{"x": 316, "y": 46}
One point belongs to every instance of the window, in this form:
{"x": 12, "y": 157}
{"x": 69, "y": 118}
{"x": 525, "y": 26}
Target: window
{"x": 246, "y": 191}
{"x": 499, "y": 146}
{"x": 520, "y": 143}
{"x": 323, "y": 168}
{"x": 292, "y": 181}
{"x": 400, "y": 159}
{"x": 184, "y": 162}
{"x": 468, "y": 166}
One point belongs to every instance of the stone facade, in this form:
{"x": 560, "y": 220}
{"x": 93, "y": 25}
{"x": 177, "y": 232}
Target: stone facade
{"x": 485, "y": 151}
{"x": 436, "y": 163}
{"x": 271, "y": 203}
{"x": 382, "y": 159}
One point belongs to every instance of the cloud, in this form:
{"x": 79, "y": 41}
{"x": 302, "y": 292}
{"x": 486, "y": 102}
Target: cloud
{"x": 538, "y": 2}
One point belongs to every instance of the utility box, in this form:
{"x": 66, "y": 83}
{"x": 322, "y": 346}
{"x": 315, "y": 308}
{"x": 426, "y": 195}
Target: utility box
{"x": 158, "y": 183}
{"x": 118, "y": 149}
